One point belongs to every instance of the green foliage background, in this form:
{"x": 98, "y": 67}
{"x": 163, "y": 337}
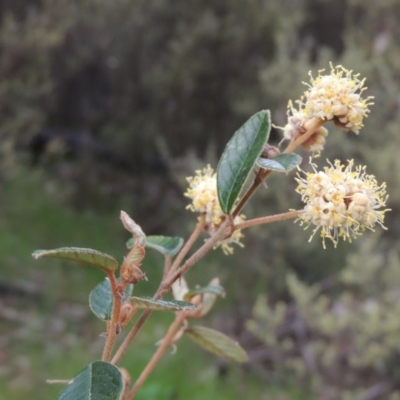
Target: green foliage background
{"x": 151, "y": 91}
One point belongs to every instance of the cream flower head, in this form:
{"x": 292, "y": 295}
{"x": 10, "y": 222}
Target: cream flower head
{"x": 337, "y": 97}
{"x": 295, "y": 128}
{"x": 340, "y": 201}
{"x": 203, "y": 192}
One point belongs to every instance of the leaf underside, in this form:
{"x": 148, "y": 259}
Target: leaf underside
{"x": 280, "y": 163}
{"x": 149, "y": 303}
{"x": 167, "y": 245}
{"x": 217, "y": 343}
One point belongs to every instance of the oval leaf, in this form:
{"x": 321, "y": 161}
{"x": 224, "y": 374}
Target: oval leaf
{"x": 86, "y": 256}
{"x": 216, "y": 290}
{"x": 217, "y": 343}
{"x": 281, "y": 163}
{"x": 149, "y": 303}
{"x": 167, "y": 245}
{"x": 101, "y": 299}
{"x": 99, "y": 380}
{"x": 239, "y": 157}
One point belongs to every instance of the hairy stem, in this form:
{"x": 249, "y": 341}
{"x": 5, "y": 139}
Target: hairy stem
{"x": 112, "y": 326}
{"x": 188, "y": 245}
{"x": 166, "y": 342}
{"x": 267, "y": 220}
{"x": 167, "y": 265}
{"x": 258, "y": 180}
{"x": 129, "y": 338}
{"x": 311, "y": 127}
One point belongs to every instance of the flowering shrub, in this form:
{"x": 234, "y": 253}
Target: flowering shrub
{"x": 341, "y": 202}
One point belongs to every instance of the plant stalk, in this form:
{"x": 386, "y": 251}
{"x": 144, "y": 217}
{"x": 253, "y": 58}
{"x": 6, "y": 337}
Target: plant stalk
{"x": 267, "y": 220}
{"x": 166, "y": 342}
{"x": 112, "y": 326}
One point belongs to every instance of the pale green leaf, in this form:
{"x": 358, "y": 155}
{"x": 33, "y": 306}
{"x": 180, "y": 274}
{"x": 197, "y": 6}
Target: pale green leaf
{"x": 167, "y": 245}
{"x": 149, "y": 303}
{"x": 281, "y": 163}
{"x": 217, "y": 343}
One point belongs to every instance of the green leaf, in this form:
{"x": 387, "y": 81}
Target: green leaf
{"x": 216, "y": 290}
{"x": 209, "y": 296}
{"x": 167, "y": 245}
{"x": 280, "y": 163}
{"x": 149, "y": 303}
{"x": 101, "y": 299}
{"x": 239, "y": 157}
{"x": 217, "y": 343}
{"x": 99, "y": 380}
{"x": 86, "y": 256}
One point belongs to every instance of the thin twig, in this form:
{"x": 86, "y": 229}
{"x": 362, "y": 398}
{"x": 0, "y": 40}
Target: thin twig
{"x": 311, "y": 127}
{"x": 112, "y": 326}
{"x": 267, "y": 220}
{"x": 129, "y": 338}
{"x": 167, "y": 265}
{"x": 258, "y": 180}
{"x": 188, "y": 245}
{"x": 167, "y": 340}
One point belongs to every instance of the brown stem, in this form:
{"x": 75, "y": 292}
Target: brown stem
{"x": 311, "y": 127}
{"x": 129, "y": 338}
{"x": 267, "y": 220}
{"x": 112, "y": 326}
{"x": 188, "y": 245}
{"x": 167, "y": 265}
{"x": 258, "y": 180}
{"x": 207, "y": 246}
{"x": 173, "y": 329}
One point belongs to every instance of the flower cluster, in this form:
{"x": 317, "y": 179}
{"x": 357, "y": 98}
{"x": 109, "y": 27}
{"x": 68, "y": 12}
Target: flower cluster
{"x": 203, "y": 192}
{"x": 340, "y": 201}
{"x": 337, "y": 97}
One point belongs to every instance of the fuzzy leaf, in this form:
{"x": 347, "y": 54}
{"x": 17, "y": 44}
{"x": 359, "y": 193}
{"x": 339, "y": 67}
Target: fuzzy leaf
{"x": 217, "y": 343}
{"x": 239, "y": 157}
{"x": 167, "y": 245}
{"x": 101, "y": 299}
{"x": 99, "y": 380}
{"x": 216, "y": 290}
{"x": 86, "y": 256}
{"x": 281, "y": 163}
{"x": 149, "y": 303}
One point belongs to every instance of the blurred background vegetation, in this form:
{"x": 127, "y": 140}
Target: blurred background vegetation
{"x": 108, "y": 105}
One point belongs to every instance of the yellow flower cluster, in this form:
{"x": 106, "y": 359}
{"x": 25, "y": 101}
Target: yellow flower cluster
{"x": 203, "y": 192}
{"x": 337, "y": 97}
{"x": 340, "y": 201}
